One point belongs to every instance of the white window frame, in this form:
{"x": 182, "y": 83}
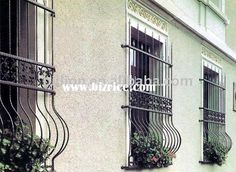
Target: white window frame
{"x": 150, "y": 30}
{"x": 220, "y": 6}
{"x": 212, "y": 65}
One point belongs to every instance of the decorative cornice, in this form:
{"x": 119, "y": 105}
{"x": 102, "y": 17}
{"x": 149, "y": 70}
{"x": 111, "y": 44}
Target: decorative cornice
{"x": 148, "y": 15}
{"x": 209, "y": 54}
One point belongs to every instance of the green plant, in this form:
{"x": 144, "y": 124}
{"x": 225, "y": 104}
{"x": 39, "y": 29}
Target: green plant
{"x": 215, "y": 152}
{"x": 25, "y": 154}
{"x": 148, "y": 152}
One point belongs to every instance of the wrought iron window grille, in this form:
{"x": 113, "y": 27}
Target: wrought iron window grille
{"x": 213, "y": 111}
{"x": 29, "y": 121}
{"x": 150, "y": 112}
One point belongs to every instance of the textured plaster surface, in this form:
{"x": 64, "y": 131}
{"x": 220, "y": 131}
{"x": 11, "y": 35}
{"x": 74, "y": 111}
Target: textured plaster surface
{"x": 88, "y": 35}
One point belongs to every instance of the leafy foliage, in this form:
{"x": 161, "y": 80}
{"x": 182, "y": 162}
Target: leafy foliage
{"x": 215, "y": 152}
{"x": 20, "y": 152}
{"x": 148, "y": 152}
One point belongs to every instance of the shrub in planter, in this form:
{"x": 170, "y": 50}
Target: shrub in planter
{"x": 147, "y": 152}
{"x": 215, "y": 152}
{"x": 26, "y": 154}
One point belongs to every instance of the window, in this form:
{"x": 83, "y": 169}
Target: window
{"x": 28, "y": 126}
{"x": 149, "y": 108}
{"x": 213, "y": 110}
{"x": 218, "y": 3}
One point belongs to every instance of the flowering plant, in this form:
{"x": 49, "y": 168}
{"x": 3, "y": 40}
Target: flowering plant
{"x": 215, "y": 152}
{"x": 148, "y": 152}
{"x": 21, "y": 152}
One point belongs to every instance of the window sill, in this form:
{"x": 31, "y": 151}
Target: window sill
{"x": 206, "y": 162}
{"x": 130, "y": 168}
{"x": 216, "y": 10}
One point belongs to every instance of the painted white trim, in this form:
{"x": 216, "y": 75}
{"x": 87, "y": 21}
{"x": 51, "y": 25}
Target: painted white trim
{"x": 215, "y": 67}
{"x": 223, "y": 6}
{"x": 212, "y": 65}
{"x": 147, "y": 29}
{"x": 40, "y": 44}
{"x": 127, "y": 146}
{"x": 207, "y": 59}
{"x": 201, "y": 114}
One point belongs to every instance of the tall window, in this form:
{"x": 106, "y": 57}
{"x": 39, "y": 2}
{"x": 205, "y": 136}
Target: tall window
{"x": 26, "y": 88}
{"x": 16, "y": 39}
{"x": 219, "y": 4}
{"x": 153, "y": 139}
{"x": 213, "y": 110}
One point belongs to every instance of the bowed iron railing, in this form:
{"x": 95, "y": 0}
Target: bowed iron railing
{"x": 151, "y": 131}
{"x": 213, "y": 113}
{"x": 31, "y": 129}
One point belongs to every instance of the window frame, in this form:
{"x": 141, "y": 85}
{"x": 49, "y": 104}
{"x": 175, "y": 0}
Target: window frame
{"x": 153, "y": 32}
{"x": 220, "y": 5}
{"x": 133, "y": 22}
{"x": 211, "y": 116}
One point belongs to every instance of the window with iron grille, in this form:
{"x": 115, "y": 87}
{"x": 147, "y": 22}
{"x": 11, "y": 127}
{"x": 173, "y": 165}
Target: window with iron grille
{"x": 215, "y": 138}
{"x": 31, "y": 129}
{"x": 153, "y": 139}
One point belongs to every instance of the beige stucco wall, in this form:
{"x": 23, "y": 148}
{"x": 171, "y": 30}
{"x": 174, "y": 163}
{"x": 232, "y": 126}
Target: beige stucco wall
{"x": 88, "y": 35}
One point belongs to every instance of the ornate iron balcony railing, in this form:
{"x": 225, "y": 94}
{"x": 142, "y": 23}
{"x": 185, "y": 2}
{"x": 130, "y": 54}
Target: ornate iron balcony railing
{"x": 32, "y": 133}
{"x": 26, "y": 73}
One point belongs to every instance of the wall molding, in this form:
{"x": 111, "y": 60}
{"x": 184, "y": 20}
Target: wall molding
{"x": 149, "y": 16}
{"x": 210, "y": 55}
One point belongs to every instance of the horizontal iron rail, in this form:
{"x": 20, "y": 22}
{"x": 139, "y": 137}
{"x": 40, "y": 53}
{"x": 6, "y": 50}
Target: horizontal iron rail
{"x": 41, "y": 6}
{"x": 132, "y": 168}
{"x": 27, "y": 86}
{"x": 144, "y": 109}
{"x": 209, "y": 121}
{"x": 204, "y": 108}
{"x": 27, "y": 60}
{"x": 206, "y": 162}
{"x": 148, "y": 54}
{"x": 152, "y": 94}
{"x": 212, "y": 83}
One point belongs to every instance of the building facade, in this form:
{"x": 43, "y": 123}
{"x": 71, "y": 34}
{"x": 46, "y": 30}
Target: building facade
{"x": 111, "y": 119}
{"x": 196, "y": 37}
